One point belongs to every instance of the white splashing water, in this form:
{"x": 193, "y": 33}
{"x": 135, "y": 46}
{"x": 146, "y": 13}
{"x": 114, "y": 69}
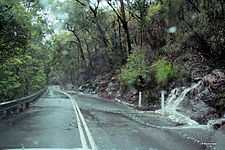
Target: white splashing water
{"x": 175, "y": 98}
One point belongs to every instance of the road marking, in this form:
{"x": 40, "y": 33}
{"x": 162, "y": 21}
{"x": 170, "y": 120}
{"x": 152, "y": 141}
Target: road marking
{"x": 82, "y": 137}
{"x": 80, "y": 122}
{"x": 91, "y": 140}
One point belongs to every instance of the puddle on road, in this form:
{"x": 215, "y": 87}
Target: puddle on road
{"x": 105, "y": 119}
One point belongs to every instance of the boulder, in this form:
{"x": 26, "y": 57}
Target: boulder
{"x": 131, "y": 95}
{"x": 217, "y": 123}
{"x": 193, "y": 65}
{"x": 203, "y": 103}
{"x": 112, "y": 88}
{"x": 215, "y": 80}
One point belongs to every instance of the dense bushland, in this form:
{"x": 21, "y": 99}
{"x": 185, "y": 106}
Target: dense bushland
{"x": 23, "y": 57}
{"x": 168, "y": 43}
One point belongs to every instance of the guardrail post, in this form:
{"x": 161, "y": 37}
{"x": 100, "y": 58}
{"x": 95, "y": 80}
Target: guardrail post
{"x": 17, "y": 110}
{"x": 8, "y": 112}
{"x": 27, "y": 105}
{"x": 4, "y": 113}
{"x": 18, "y": 105}
{"x": 22, "y": 107}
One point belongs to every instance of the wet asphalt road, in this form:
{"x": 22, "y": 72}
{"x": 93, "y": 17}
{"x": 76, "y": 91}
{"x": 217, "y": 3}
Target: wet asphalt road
{"x": 114, "y": 131}
{"x": 51, "y": 123}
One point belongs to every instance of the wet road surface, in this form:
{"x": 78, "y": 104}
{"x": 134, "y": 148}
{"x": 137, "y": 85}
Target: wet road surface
{"x": 51, "y": 123}
{"x": 114, "y": 131}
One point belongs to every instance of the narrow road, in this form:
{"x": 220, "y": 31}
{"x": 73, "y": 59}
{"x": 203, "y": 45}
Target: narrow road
{"x": 114, "y": 131}
{"x": 49, "y": 123}
{"x": 55, "y": 121}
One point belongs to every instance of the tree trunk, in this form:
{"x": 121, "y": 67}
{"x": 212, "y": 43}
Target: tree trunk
{"x": 120, "y": 37}
{"x": 125, "y": 25}
{"x": 80, "y": 47}
{"x": 102, "y": 34}
{"x": 89, "y": 56}
{"x": 128, "y": 38}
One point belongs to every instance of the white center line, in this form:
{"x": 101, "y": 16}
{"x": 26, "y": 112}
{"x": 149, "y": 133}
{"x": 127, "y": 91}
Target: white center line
{"x": 91, "y": 140}
{"x": 79, "y": 123}
{"x": 82, "y": 137}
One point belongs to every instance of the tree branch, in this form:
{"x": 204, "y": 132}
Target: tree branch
{"x": 80, "y": 2}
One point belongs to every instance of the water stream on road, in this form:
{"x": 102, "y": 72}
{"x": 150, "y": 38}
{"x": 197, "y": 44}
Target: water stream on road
{"x": 171, "y": 109}
{"x": 175, "y": 98}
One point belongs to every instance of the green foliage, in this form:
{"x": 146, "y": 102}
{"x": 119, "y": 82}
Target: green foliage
{"x": 14, "y": 28}
{"x": 38, "y": 80}
{"x": 164, "y": 71}
{"x": 23, "y": 57}
{"x": 20, "y": 75}
{"x": 154, "y": 9}
{"x": 9, "y": 82}
{"x": 98, "y": 38}
{"x": 8, "y": 85}
{"x": 135, "y": 66}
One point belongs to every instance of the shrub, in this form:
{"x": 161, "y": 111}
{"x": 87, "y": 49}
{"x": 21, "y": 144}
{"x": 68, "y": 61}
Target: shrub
{"x": 38, "y": 80}
{"x": 163, "y": 71}
{"x": 154, "y": 9}
{"x": 135, "y": 66}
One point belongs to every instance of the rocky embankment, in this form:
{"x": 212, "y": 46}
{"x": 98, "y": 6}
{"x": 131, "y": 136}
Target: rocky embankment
{"x": 204, "y": 103}
{"x": 207, "y": 102}
{"x": 108, "y": 87}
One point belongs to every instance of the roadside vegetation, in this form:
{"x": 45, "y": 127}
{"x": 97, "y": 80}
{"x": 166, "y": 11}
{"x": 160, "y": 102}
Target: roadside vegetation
{"x": 24, "y": 58}
{"x": 105, "y": 45}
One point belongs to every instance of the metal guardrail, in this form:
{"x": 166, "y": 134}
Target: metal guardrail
{"x": 18, "y": 105}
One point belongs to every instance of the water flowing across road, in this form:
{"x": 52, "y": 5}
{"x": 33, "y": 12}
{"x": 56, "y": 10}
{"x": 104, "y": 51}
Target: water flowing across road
{"x": 175, "y": 98}
{"x": 51, "y": 123}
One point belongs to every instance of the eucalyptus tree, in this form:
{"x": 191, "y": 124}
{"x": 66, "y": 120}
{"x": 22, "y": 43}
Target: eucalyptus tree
{"x": 22, "y": 54}
{"x": 122, "y": 17}
{"x": 95, "y": 10}
{"x": 65, "y": 59}
{"x": 14, "y": 29}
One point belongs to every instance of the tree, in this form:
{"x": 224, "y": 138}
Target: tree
{"x": 23, "y": 62}
{"x": 14, "y": 29}
{"x": 121, "y": 14}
